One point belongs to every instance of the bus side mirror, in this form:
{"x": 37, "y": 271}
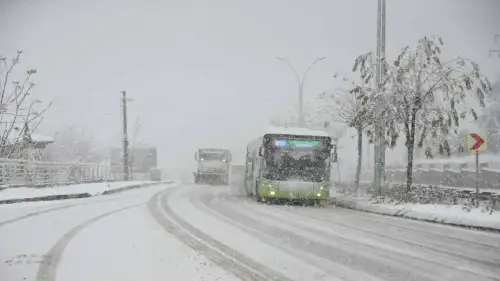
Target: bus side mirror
{"x": 334, "y": 154}
{"x": 334, "y": 157}
{"x": 196, "y": 156}
{"x": 261, "y": 151}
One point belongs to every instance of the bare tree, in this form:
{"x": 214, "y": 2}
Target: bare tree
{"x": 20, "y": 114}
{"x": 344, "y": 106}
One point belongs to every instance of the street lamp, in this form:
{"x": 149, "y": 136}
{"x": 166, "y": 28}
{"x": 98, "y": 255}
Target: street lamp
{"x": 300, "y": 82}
{"x": 379, "y": 145}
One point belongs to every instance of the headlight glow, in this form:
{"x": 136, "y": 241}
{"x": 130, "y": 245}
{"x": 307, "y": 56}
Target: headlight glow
{"x": 272, "y": 192}
{"x": 319, "y": 194}
{"x": 321, "y": 188}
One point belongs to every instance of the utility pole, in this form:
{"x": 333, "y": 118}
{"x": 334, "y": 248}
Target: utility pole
{"x": 379, "y": 146}
{"x": 497, "y": 40}
{"x": 125, "y": 137}
{"x": 300, "y": 82}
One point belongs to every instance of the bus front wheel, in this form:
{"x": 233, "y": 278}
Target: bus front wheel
{"x": 257, "y": 195}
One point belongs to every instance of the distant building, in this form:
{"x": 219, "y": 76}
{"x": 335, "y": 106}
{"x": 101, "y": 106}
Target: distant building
{"x": 141, "y": 159}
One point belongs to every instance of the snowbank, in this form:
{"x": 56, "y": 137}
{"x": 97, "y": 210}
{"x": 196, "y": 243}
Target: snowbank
{"x": 483, "y": 158}
{"x": 447, "y": 214}
{"x": 92, "y": 189}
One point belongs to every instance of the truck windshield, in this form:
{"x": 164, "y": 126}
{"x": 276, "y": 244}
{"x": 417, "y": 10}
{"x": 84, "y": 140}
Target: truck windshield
{"x": 303, "y": 160}
{"x": 204, "y": 156}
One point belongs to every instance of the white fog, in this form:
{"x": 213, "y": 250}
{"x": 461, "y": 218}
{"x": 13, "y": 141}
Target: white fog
{"x": 215, "y": 74}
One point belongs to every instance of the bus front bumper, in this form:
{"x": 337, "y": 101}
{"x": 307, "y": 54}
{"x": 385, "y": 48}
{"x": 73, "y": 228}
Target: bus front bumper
{"x": 316, "y": 191}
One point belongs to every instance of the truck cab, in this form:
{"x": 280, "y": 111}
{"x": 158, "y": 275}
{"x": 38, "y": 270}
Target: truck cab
{"x": 213, "y": 165}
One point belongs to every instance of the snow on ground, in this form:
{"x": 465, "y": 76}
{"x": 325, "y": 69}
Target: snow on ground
{"x": 453, "y": 214}
{"x": 118, "y": 237}
{"x": 449, "y": 214}
{"x": 26, "y": 242}
{"x": 471, "y": 189}
{"x": 240, "y": 241}
{"x": 151, "y": 253}
{"x": 91, "y": 188}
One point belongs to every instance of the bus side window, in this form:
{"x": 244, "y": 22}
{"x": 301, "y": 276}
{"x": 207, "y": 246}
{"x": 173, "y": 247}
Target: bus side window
{"x": 249, "y": 167}
{"x": 254, "y": 166}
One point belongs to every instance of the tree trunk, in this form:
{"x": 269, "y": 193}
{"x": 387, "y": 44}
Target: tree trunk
{"x": 360, "y": 157}
{"x": 410, "y": 144}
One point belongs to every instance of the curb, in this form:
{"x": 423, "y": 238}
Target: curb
{"x": 79, "y": 195}
{"x": 404, "y": 214}
{"x": 46, "y": 198}
{"x": 125, "y": 188}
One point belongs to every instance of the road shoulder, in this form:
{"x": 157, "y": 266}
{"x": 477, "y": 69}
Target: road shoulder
{"x": 444, "y": 214}
{"x": 70, "y": 192}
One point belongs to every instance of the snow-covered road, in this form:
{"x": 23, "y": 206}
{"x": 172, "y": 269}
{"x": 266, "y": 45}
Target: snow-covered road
{"x": 188, "y": 232}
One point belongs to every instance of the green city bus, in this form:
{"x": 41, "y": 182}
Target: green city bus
{"x": 289, "y": 163}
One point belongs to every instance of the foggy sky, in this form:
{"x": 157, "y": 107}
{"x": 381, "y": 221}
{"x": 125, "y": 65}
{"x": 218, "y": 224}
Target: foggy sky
{"x": 204, "y": 73}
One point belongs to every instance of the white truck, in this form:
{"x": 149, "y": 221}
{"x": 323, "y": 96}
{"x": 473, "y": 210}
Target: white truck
{"x": 213, "y": 165}
{"x": 155, "y": 174}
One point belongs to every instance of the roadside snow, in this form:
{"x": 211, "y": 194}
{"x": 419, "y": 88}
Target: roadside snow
{"x": 484, "y": 158}
{"x": 452, "y": 214}
{"x": 447, "y": 214}
{"x": 91, "y": 188}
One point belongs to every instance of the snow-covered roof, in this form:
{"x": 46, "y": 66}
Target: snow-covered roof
{"x": 41, "y": 138}
{"x": 295, "y": 131}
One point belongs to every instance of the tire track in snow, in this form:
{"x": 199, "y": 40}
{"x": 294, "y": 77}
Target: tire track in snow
{"x": 225, "y": 257}
{"x": 430, "y": 247}
{"x": 112, "y": 197}
{"x": 48, "y": 269}
{"x": 421, "y": 227}
{"x": 33, "y": 214}
{"x": 362, "y": 261}
{"x": 457, "y": 265}
{"x": 337, "y": 271}
{"x": 292, "y": 231}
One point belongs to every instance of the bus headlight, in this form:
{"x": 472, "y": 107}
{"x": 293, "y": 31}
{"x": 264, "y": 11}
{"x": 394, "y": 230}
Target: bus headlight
{"x": 318, "y": 194}
{"x": 272, "y": 192}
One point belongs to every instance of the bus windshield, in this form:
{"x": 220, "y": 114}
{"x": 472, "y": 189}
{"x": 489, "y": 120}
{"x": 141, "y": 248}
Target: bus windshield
{"x": 297, "y": 159}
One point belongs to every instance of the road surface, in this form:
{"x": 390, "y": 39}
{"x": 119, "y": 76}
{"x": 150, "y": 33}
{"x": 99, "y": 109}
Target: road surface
{"x": 188, "y": 232}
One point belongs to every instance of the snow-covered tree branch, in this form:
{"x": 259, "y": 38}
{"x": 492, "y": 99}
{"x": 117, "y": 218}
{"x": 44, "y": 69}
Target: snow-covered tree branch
{"x": 344, "y": 106}
{"x": 20, "y": 114}
{"x": 490, "y": 118}
{"x": 427, "y": 98}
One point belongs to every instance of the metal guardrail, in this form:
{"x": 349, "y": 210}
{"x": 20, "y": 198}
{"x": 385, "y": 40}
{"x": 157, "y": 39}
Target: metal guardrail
{"x": 447, "y": 174}
{"x": 19, "y": 172}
